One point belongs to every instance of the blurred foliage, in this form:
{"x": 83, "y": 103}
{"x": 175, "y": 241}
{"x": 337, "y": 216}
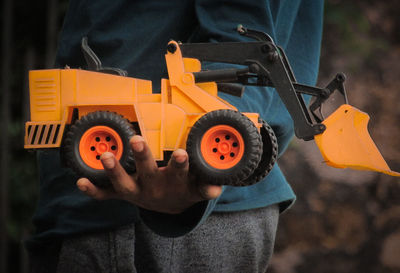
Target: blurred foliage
{"x": 348, "y": 31}
{"x": 361, "y": 30}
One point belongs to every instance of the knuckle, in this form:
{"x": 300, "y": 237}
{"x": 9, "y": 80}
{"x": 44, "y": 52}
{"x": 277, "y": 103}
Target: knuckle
{"x": 125, "y": 190}
{"x": 178, "y": 165}
{"x": 204, "y": 192}
{"x": 156, "y": 194}
{"x": 99, "y": 196}
{"x": 148, "y": 176}
{"x": 141, "y": 156}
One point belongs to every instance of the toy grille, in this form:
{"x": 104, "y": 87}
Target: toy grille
{"x": 44, "y": 135}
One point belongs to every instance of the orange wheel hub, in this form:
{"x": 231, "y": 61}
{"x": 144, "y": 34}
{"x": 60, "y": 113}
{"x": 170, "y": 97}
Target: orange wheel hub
{"x": 96, "y": 141}
{"x": 222, "y": 147}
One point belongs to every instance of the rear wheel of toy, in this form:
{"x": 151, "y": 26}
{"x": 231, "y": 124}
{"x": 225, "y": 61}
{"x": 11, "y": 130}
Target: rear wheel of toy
{"x": 269, "y": 155}
{"x": 224, "y": 148}
{"x": 90, "y": 137}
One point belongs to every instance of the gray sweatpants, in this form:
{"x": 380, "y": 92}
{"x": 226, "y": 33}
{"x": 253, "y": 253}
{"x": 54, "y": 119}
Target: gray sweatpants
{"x": 226, "y": 242}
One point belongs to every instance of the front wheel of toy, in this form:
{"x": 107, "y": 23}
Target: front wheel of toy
{"x": 224, "y": 148}
{"x": 90, "y": 137}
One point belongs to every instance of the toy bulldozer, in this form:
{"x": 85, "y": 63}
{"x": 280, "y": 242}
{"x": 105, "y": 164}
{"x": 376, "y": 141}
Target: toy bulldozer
{"x": 89, "y": 112}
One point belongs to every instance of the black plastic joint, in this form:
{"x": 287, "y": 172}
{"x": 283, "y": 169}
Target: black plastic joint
{"x": 273, "y": 56}
{"x": 171, "y": 48}
{"x": 341, "y": 77}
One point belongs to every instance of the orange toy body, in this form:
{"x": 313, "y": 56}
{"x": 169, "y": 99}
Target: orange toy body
{"x": 60, "y": 97}
{"x": 87, "y": 113}
{"x": 164, "y": 119}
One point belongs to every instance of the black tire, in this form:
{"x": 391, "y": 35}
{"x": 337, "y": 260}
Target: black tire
{"x": 251, "y": 154}
{"x": 269, "y": 155}
{"x": 72, "y": 155}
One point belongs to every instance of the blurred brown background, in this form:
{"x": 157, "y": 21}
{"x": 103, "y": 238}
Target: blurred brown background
{"x": 343, "y": 220}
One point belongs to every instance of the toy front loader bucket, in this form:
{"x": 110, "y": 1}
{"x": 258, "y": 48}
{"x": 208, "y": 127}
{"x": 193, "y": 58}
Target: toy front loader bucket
{"x": 346, "y": 142}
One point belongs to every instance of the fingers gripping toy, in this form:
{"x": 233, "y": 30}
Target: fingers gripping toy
{"x": 89, "y": 112}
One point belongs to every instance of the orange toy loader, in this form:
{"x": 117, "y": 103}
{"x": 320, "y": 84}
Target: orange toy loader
{"x": 89, "y": 112}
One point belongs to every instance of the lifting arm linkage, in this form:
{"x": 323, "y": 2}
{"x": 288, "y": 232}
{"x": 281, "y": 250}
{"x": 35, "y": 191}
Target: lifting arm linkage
{"x": 269, "y": 65}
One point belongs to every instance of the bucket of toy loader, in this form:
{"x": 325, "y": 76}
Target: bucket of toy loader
{"x": 346, "y": 142}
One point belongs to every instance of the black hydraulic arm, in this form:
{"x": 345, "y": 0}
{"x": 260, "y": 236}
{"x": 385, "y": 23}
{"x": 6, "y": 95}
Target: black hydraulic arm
{"x": 267, "y": 65}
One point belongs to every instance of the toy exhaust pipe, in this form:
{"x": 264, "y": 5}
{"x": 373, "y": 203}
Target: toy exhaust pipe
{"x": 346, "y": 142}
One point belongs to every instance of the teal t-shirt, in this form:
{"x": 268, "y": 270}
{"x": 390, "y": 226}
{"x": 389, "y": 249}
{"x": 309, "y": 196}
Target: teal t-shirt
{"x": 133, "y": 35}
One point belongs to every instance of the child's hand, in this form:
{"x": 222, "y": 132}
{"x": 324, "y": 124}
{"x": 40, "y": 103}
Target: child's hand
{"x": 167, "y": 189}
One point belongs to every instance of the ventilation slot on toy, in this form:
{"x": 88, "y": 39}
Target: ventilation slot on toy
{"x": 42, "y": 135}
